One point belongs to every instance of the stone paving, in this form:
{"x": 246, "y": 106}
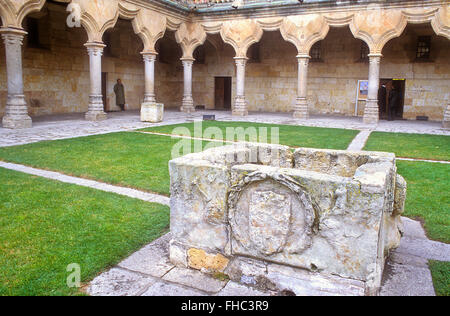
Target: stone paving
{"x": 148, "y": 197}
{"x": 148, "y": 272}
{"x": 74, "y": 125}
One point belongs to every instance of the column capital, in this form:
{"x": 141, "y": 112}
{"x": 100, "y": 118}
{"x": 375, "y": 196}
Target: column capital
{"x": 95, "y": 47}
{"x": 303, "y": 56}
{"x": 149, "y": 56}
{"x": 12, "y": 35}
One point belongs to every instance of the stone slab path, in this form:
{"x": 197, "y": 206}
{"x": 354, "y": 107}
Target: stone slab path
{"x": 148, "y": 197}
{"x": 149, "y": 272}
{"x": 73, "y": 125}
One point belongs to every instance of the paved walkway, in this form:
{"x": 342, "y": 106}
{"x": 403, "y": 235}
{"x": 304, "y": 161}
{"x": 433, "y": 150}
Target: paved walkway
{"x": 149, "y": 272}
{"x": 74, "y": 125}
{"x": 148, "y": 197}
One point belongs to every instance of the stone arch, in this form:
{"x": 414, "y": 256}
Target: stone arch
{"x": 190, "y": 36}
{"x": 241, "y": 34}
{"x": 13, "y": 12}
{"x": 97, "y": 17}
{"x": 304, "y": 31}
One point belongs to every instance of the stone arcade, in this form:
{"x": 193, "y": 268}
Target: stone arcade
{"x": 311, "y": 222}
{"x": 306, "y": 58}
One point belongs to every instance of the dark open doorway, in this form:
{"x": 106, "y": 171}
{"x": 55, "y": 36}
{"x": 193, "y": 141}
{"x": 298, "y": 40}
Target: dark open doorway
{"x": 222, "y": 98}
{"x": 391, "y": 98}
{"x": 104, "y": 91}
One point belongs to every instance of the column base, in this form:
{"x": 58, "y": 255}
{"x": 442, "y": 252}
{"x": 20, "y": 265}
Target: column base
{"x": 16, "y": 115}
{"x": 187, "y": 105}
{"x": 371, "y": 114}
{"x": 240, "y": 107}
{"x": 95, "y": 116}
{"x": 446, "y": 122}
{"x": 95, "y": 112}
{"x": 17, "y": 122}
{"x": 301, "y": 109}
{"x": 149, "y": 98}
{"x": 152, "y": 112}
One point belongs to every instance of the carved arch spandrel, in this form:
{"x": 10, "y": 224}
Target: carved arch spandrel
{"x": 13, "y": 12}
{"x": 150, "y": 26}
{"x": 98, "y": 16}
{"x": 190, "y": 36}
{"x": 441, "y": 21}
{"x": 241, "y": 34}
{"x": 304, "y": 30}
{"x": 377, "y": 26}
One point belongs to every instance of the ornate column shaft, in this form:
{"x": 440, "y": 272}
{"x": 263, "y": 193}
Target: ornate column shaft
{"x": 301, "y": 106}
{"x": 240, "y": 104}
{"x": 188, "y": 103}
{"x": 371, "y": 111}
{"x": 16, "y": 115}
{"x": 149, "y": 60}
{"x": 446, "y": 122}
{"x": 95, "y": 110}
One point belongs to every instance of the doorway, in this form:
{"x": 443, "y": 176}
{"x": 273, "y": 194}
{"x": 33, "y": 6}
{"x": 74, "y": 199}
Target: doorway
{"x": 391, "y": 98}
{"x": 104, "y": 92}
{"x": 222, "y": 95}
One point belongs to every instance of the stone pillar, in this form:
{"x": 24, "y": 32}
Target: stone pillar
{"x": 446, "y": 122}
{"x": 371, "y": 111}
{"x": 16, "y": 115}
{"x": 240, "y": 104}
{"x": 95, "y": 110}
{"x": 301, "y": 106}
{"x": 149, "y": 60}
{"x": 188, "y": 103}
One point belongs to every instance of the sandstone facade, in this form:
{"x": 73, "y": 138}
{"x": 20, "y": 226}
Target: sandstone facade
{"x": 322, "y": 219}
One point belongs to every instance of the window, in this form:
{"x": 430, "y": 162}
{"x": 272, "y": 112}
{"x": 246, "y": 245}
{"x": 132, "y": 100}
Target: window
{"x": 423, "y": 48}
{"x": 364, "y": 52}
{"x": 254, "y": 54}
{"x": 316, "y": 52}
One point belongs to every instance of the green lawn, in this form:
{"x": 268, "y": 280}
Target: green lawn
{"x": 433, "y": 147}
{"x": 294, "y": 136}
{"x": 128, "y": 159}
{"x": 46, "y": 225}
{"x": 441, "y": 277}
{"x": 428, "y": 196}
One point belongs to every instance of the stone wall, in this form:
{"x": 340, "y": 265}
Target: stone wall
{"x": 271, "y": 84}
{"x": 56, "y": 78}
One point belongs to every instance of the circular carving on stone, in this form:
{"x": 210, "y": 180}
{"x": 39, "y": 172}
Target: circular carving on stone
{"x": 270, "y": 214}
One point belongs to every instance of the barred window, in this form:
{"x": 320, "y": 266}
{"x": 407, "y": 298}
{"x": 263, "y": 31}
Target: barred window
{"x": 364, "y": 53}
{"x": 316, "y": 52}
{"x": 423, "y": 48}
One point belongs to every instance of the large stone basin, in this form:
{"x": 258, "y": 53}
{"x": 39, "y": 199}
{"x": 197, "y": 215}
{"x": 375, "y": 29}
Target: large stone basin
{"x": 308, "y": 222}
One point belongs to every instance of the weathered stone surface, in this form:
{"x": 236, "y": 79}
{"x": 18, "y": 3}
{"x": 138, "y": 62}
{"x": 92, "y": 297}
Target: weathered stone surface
{"x": 169, "y": 289}
{"x": 152, "y": 259}
{"x": 236, "y": 289}
{"x": 201, "y": 260}
{"x": 152, "y": 112}
{"x": 338, "y": 219}
{"x": 118, "y": 282}
{"x": 195, "y": 279}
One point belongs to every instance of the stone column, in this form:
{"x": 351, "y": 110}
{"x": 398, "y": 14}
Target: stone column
{"x": 95, "y": 110}
{"x": 16, "y": 115}
{"x": 240, "y": 104}
{"x": 149, "y": 60}
{"x": 446, "y": 122}
{"x": 188, "y": 103}
{"x": 371, "y": 111}
{"x": 301, "y": 106}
